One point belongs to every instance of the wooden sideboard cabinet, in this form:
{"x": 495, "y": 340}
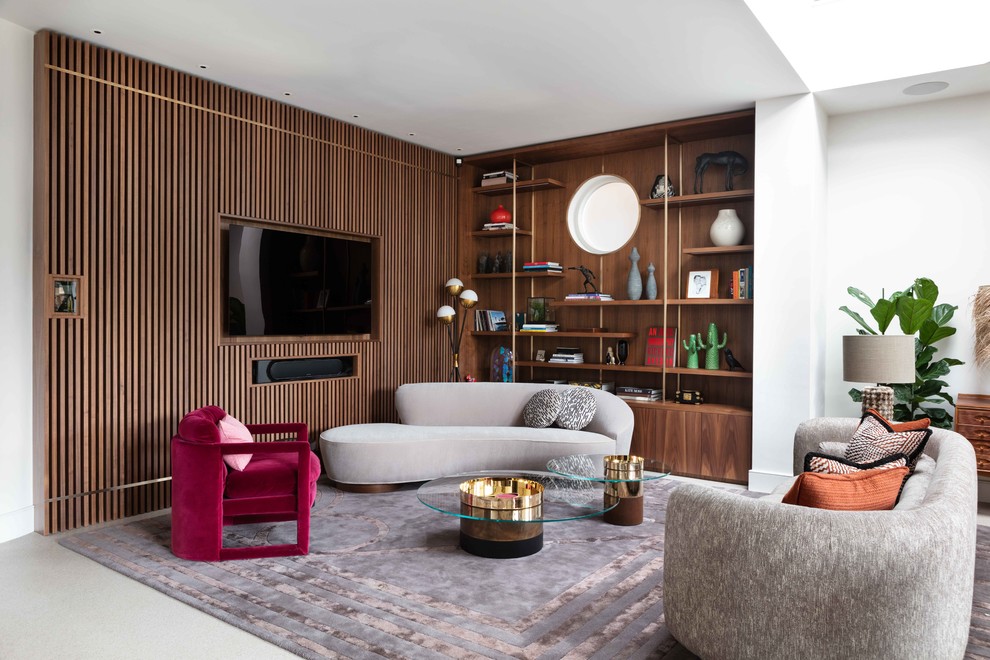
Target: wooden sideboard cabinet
{"x": 973, "y": 422}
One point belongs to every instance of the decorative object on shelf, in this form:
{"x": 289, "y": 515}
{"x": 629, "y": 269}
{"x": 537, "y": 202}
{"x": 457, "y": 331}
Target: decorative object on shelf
{"x": 447, "y": 314}
{"x": 651, "y": 283}
{"x": 927, "y": 323}
{"x": 541, "y": 355}
{"x": 623, "y": 351}
{"x": 539, "y": 309}
{"x": 661, "y": 347}
{"x": 727, "y": 229}
{"x": 662, "y": 187}
{"x": 483, "y": 263}
{"x": 981, "y": 325}
{"x": 497, "y": 262}
{"x": 470, "y": 379}
{"x": 588, "y": 277}
{"x": 702, "y": 284}
{"x": 634, "y": 284}
{"x": 501, "y": 365}
{"x": 508, "y": 265}
{"x": 610, "y": 356}
{"x": 500, "y": 215}
{"x": 712, "y": 347}
{"x": 731, "y": 360}
{"x": 735, "y": 164}
{"x": 520, "y": 320}
{"x": 692, "y": 350}
{"x": 688, "y": 396}
{"x": 603, "y": 214}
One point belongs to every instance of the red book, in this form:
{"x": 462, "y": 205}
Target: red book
{"x": 661, "y": 346}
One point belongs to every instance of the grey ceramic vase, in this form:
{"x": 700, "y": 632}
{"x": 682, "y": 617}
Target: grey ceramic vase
{"x": 651, "y": 283}
{"x": 634, "y": 286}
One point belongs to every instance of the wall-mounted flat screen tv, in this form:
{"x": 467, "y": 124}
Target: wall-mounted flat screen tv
{"x": 294, "y": 283}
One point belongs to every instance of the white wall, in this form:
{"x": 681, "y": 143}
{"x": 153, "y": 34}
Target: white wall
{"x": 908, "y": 196}
{"x": 788, "y": 265}
{"x": 16, "y": 139}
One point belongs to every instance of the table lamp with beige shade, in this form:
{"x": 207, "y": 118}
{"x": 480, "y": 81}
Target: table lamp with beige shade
{"x": 878, "y": 359}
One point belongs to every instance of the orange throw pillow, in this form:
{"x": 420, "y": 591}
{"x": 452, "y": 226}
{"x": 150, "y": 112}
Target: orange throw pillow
{"x": 868, "y": 490}
{"x": 899, "y": 427}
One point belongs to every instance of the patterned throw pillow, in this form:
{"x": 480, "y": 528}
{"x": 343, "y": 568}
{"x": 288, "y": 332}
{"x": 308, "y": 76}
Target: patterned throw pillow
{"x": 913, "y": 425}
{"x": 578, "y": 410}
{"x": 232, "y": 430}
{"x": 866, "y": 490}
{"x": 826, "y": 464}
{"x": 542, "y": 409}
{"x": 875, "y": 439}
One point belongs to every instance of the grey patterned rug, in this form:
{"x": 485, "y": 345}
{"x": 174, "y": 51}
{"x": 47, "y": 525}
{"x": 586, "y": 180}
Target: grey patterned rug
{"x": 385, "y": 578}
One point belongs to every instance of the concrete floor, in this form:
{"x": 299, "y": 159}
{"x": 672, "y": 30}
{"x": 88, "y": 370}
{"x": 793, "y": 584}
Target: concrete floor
{"x": 55, "y": 603}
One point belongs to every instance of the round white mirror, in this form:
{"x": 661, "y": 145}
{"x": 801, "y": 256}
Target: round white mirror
{"x": 603, "y": 214}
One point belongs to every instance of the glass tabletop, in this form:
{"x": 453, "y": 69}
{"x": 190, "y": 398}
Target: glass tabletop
{"x": 562, "y": 498}
{"x": 591, "y": 467}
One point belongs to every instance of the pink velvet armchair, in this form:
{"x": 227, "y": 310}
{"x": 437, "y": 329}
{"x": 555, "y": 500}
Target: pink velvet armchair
{"x": 278, "y": 484}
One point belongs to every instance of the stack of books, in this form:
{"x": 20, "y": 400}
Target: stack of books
{"x": 567, "y": 355}
{"x": 496, "y": 178}
{"x": 742, "y": 284}
{"x": 638, "y": 393}
{"x": 539, "y": 327}
{"x": 588, "y": 296}
{"x": 594, "y": 384}
{"x": 490, "y": 320}
{"x": 543, "y": 266}
{"x": 497, "y": 226}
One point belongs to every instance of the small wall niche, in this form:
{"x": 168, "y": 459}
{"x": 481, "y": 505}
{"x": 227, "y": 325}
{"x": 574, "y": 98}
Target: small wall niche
{"x": 273, "y": 371}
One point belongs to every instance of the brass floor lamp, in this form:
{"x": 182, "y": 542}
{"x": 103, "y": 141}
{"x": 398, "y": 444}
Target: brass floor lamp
{"x": 468, "y": 299}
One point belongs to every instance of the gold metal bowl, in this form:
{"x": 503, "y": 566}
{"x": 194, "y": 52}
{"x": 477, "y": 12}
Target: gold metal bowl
{"x": 623, "y": 466}
{"x": 502, "y": 493}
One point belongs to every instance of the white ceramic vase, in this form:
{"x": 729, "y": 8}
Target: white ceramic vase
{"x": 727, "y": 229}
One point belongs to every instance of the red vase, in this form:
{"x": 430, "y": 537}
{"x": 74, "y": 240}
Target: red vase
{"x": 501, "y": 214}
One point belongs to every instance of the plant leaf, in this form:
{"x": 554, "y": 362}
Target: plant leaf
{"x": 931, "y": 332}
{"x": 912, "y": 312}
{"x": 935, "y": 370}
{"x": 903, "y": 392}
{"x": 942, "y": 314}
{"x": 860, "y": 296}
{"x": 855, "y": 395}
{"x": 925, "y": 289}
{"x": 883, "y": 312}
{"x": 859, "y": 319}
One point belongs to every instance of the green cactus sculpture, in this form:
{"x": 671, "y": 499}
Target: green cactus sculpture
{"x": 713, "y": 346}
{"x": 692, "y": 350}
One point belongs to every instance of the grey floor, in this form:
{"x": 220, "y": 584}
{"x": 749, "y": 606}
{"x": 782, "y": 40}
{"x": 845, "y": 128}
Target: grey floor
{"x": 55, "y": 603}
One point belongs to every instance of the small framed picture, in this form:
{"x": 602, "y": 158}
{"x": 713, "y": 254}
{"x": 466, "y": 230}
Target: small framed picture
{"x": 541, "y": 355}
{"x": 702, "y": 284}
{"x": 539, "y": 310}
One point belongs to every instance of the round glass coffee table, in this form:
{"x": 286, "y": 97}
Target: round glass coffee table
{"x": 502, "y": 511}
{"x": 622, "y": 477}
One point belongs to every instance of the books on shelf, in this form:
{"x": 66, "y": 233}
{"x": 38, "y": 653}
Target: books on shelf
{"x": 497, "y": 226}
{"x": 588, "y": 296}
{"x": 545, "y": 266}
{"x": 539, "y": 327}
{"x": 490, "y": 320}
{"x": 742, "y": 284}
{"x": 661, "y": 347}
{"x": 638, "y": 393}
{"x": 496, "y": 178}
{"x": 567, "y": 355}
{"x": 607, "y": 386}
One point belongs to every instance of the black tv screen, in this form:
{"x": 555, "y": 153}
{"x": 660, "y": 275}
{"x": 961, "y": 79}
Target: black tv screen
{"x": 292, "y": 283}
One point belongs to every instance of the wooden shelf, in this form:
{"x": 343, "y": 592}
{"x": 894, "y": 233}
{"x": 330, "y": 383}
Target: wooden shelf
{"x": 500, "y": 233}
{"x": 505, "y": 276}
{"x": 638, "y": 368}
{"x": 648, "y": 303}
{"x": 520, "y": 186}
{"x": 707, "y": 408}
{"x": 700, "y": 200}
{"x": 559, "y": 333}
{"x": 732, "y": 249}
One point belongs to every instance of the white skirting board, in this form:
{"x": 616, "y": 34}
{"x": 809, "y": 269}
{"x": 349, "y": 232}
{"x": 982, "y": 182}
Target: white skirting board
{"x": 14, "y": 524}
{"x": 764, "y": 482}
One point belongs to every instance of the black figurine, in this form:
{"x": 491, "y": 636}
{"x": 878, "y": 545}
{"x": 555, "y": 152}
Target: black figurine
{"x": 483, "y": 263}
{"x": 588, "y": 276}
{"x": 731, "y": 360}
{"x": 734, "y": 162}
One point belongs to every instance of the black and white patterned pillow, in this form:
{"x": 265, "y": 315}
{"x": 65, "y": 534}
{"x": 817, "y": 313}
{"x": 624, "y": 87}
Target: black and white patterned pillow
{"x": 828, "y": 464}
{"x": 578, "y": 410}
{"x": 875, "y": 439}
{"x": 542, "y": 409}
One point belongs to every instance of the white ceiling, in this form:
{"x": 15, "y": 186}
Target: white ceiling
{"x": 471, "y": 76}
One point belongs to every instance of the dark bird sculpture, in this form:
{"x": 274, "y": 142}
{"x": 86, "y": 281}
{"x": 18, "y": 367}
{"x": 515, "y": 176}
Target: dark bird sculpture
{"x": 731, "y": 360}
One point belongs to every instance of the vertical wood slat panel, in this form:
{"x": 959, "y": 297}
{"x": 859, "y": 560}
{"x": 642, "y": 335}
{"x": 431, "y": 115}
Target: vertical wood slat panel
{"x": 141, "y": 163}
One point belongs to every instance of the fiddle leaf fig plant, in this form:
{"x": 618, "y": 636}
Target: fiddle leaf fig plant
{"x": 918, "y": 314}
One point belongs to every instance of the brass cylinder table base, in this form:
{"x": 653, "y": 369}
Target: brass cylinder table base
{"x": 475, "y": 539}
{"x": 499, "y": 511}
{"x": 628, "y": 512}
{"x": 626, "y": 496}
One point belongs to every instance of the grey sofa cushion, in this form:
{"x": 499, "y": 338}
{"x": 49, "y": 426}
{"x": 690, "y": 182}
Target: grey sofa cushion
{"x": 578, "y": 409}
{"x": 542, "y": 409}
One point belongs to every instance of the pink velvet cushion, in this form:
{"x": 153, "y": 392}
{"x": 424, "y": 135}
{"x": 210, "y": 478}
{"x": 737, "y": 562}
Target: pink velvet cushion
{"x": 231, "y": 430}
{"x": 201, "y": 425}
{"x": 271, "y": 474}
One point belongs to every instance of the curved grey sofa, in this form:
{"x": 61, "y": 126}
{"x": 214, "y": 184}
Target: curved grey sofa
{"x": 449, "y": 428}
{"x": 754, "y": 578}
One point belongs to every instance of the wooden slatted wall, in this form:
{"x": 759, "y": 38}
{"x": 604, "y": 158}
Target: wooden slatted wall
{"x": 135, "y": 165}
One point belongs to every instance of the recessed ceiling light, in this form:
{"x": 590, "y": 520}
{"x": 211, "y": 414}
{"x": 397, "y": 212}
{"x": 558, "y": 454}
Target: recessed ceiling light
{"x": 288, "y": 93}
{"x": 926, "y": 88}
{"x": 411, "y": 134}
{"x": 355, "y": 116}
{"x": 204, "y": 66}
{"x": 97, "y": 31}
{"x": 459, "y": 149}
